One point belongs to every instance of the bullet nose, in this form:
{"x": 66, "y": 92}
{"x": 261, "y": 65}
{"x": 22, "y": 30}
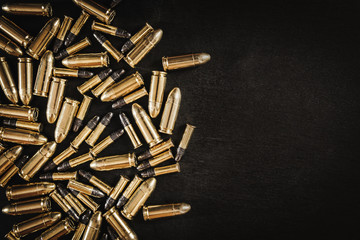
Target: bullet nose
{"x": 6, "y": 209}
{"x": 42, "y": 139}
{"x": 26, "y": 99}
{"x": 5, "y": 8}
{"x": 17, "y": 150}
{"x": 184, "y": 208}
{"x": 93, "y": 165}
{"x": 204, "y": 58}
{"x": 51, "y": 117}
{"x": 59, "y": 137}
{"x": 17, "y": 52}
{"x": 55, "y": 216}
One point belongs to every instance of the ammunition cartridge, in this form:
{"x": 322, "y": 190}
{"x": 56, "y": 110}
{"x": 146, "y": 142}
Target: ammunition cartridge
{"x": 108, "y": 29}
{"x": 11, "y": 236}
{"x": 106, "y": 44}
{"x": 60, "y": 37}
{"x": 137, "y": 37}
{"x": 28, "y": 190}
{"x": 64, "y": 205}
{"x": 92, "y": 82}
{"x": 73, "y": 201}
{"x": 60, "y": 158}
{"x": 96, "y": 182}
{"x": 184, "y": 141}
{"x": 38, "y": 46}
{"x": 94, "y": 136}
{"x": 132, "y": 97}
{"x": 8, "y": 158}
{"x": 130, "y": 130}
{"x": 114, "y": 162}
{"x": 21, "y": 113}
{"x": 7, "y": 82}
{"x": 115, "y": 193}
{"x": 105, "y": 15}
{"x": 56, "y": 95}
{"x": 9, "y": 46}
{"x": 66, "y": 72}
{"x": 62, "y": 228}
{"x": 21, "y": 136}
{"x": 5, "y": 178}
{"x": 58, "y": 176}
{"x": 119, "y": 225}
{"x": 13, "y": 122}
{"x": 152, "y": 172}
{"x": 185, "y": 61}
{"x": 15, "y": 32}
{"x": 129, "y": 191}
{"x": 25, "y": 79}
{"x": 66, "y": 117}
{"x": 92, "y": 230}
{"x": 34, "y": 9}
{"x": 82, "y": 225}
{"x": 75, "y": 162}
{"x": 159, "y": 148}
{"x": 44, "y": 73}
{"x": 77, "y": 47}
{"x": 107, "y": 83}
{"x": 85, "y": 132}
{"x": 162, "y": 157}
{"x": 84, "y": 107}
{"x": 85, "y": 199}
{"x": 170, "y": 112}
{"x": 166, "y": 210}
{"x": 98, "y": 148}
{"x": 156, "y": 93}
{"x": 86, "y": 60}
{"x": 86, "y": 189}
{"x": 138, "y": 198}
{"x": 113, "y": 235}
{"x": 74, "y": 31}
{"x": 37, "y": 205}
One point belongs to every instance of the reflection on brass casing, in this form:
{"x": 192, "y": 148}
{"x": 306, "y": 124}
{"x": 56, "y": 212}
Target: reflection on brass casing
{"x": 184, "y": 141}
{"x": 119, "y": 225}
{"x": 140, "y": 35}
{"x": 77, "y": 47}
{"x": 35, "y": 9}
{"x": 86, "y": 60}
{"x": 58, "y": 176}
{"x": 11, "y": 236}
{"x": 92, "y": 230}
{"x": 44, "y": 73}
{"x": 132, "y": 97}
{"x": 91, "y": 140}
{"x": 25, "y": 79}
{"x": 162, "y": 157}
{"x": 37, "y": 205}
{"x": 86, "y": 189}
{"x": 85, "y": 132}
{"x": 64, "y": 155}
{"x": 156, "y": 93}
{"x": 8, "y": 158}
{"x": 60, "y": 229}
{"x": 170, "y": 112}
{"x": 98, "y": 148}
{"x": 28, "y": 190}
{"x": 7, "y": 82}
{"x": 23, "y": 113}
{"x": 60, "y": 37}
{"x": 56, "y": 95}
{"x": 184, "y": 61}
{"x": 115, "y": 193}
{"x": 135, "y": 182}
{"x": 92, "y": 82}
{"x": 66, "y": 118}
{"x": 84, "y": 107}
{"x": 79, "y": 160}
{"x": 85, "y": 199}
{"x": 96, "y": 182}
{"x": 130, "y": 130}
{"x": 21, "y": 136}
{"x": 13, "y": 122}
{"x": 108, "y": 29}
{"x": 114, "y": 162}
{"x": 103, "y": 14}
{"x": 15, "y": 32}
{"x": 107, "y": 82}
{"x": 64, "y": 205}
{"x": 106, "y": 44}
{"x": 74, "y": 31}
{"x": 152, "y": 172}
{"x": 5, "y": 178}
{"x": 9, "y": 46}
{"x": 165, "y": 210}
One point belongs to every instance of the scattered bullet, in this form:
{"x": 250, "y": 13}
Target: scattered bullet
{"x": 37, "y": 205}
{"x": 152, "y": 172}
{"x": 22, "y": 136}
{"x": 130, "y": 189}
{"x": 84, "y": 220}
{"x": 9, "y": 46}
{"x": 13, "y": 122}
{"x": 104, "y": 42}
{"x": 108, "y": 29}
{"x": 137, "y": 37}
{"x": 105, "y": 15}
{"x": 155, "y": 150}
{"x": 44, "y": 73}
{"x": 74, "y": 31}
{"x": 84, "y": 107}
{"x": 156, "y": 93}
{"x": 184, "y": 142}
{"x": 64, "y": 205}
{"x": 162, "y": 157}
{"x": 64, "y": 28}
{"x": 107, "y": 83}
{"x": 94, "y": 136}
{"x": 96, "y": 182}
{"x": 73, "y": 201}
{"x": 122, "y": 101}
{"x": 86, "y": 189}
{"x": 166, "y": 210}
{"x": 86, "y": 60}
{"x": 28, "y": 190}
{"x": 185, "y": 61}
{"x": 85, "y": 199}
{"x": 21, "y": 113}
{"x": 55, "y": 99}
{"x": 8, "y": 158}
{"x": 25, "y": 79}
{"x": 92, "y": 230}
{"x": 5, "y": 178}
{"x": 66, "y": 118}
{"x": 119, "y": 225}
{"x": 98, "y": 78}
{"x": 130, "y": 130}
{"x": 52, "y": 164}
{"x": 98, "y": 148}
{"x": 15, "y": 32}
{"x": 67, "y": 72}
{"x": 7, "y": 82}
{"x": 58, "y": 176}
{"x": 62, "y": 228}
{"x": 34, "y": 9}
{"x": 114, "y": 162}
{"x": 170, "y": 112}
{"x": 115, "y": 193}
{"x": 85, "y": 132}
{"x": 64, "y": 166}
{"x": 77, "y": 47}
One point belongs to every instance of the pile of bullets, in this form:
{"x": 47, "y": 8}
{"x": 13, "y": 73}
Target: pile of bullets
{"x": 76, "y": 190}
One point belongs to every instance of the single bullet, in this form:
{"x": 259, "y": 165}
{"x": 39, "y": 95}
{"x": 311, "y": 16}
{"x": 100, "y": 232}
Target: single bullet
{"x": 33, "y": 9}
{"x": 109, "y": 81}
{"x": 92, "y": 82}
{"x": 66, "y": 117}
{"x": 38, "y": 46}
{"x": 86, "y": 60}
{"x": 113, "y": 235}
{"x": 98, "y": 148}
{"x": 56, "y": 95}
{"x": 137, "y": 37}
{"x": 130, "y": 130}
{"x": 84, "y": 220}
{"x": 58, "y": 176}
{"x": 170, "y": 112}
{"x": 85, "y": 132}
{"x": 35, "y": 163}
{"x": 108, "y": 29}
{"x": 52, "y": 164}
{"x": 84, "y": 107}
{"x": 21, "y": 136}
{"x": 64, "y": 205}
{"x": 74, "y": 31}
{"x": 119, "y": 225}
{"x": 9, "y": 46}
{"x": 25, "y": 79}
{"x": 13, "y": 122}
{"x": 132, "y": 97}
{"x": 86, "y": 189}
{"x": 8, "y": 158}
{"x": 184, "y": 141}
{"x": 114, "y": 162}
{"x": 7, "y": 82}
{"x": 62, "y": 228}
{"x": 139, "y": 197}
{"x": 185, "y": 61}
{"x": 159, "y": 148}
{"x": 156, "y": 93}
{"x": 94, "y": 136}
{"x": 77, "y": 47}
{"x": 28, "y": 190}
{"x": 105, "y": 236}
{"x": 92, "y": 230}
{"x": 85, "y": 199}
{"x": 67, "y": 72}
{"x": 105, "y": 15}
{"x": 96, "y": 182}
{"x": 5, "y": 178}
{"x": 129, "y": 191}
{"x": 165, "y": 210}
{"x": 35, "y": 224}
{"x": 15, "y": 32}
{"x": 115, "y": 193}
{"x": 44, "y": 73}
{"x": 11, "y": 236}
{"x": 145, "y": 125}
{"x": 152, "y": 172}
{"x": 60, "y": 37}
{"x": 75, "y": 162}
{"x": 37, "y": 205}
{"x": 162, "y": 157}
{"x": 19, "y": 112}
{"x": 73, "y": 201}
{"x": 123, "y": 87}
{"x": 106, "y": 44}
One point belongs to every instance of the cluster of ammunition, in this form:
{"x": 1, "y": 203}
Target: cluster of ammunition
{"x": 20, "y": 126}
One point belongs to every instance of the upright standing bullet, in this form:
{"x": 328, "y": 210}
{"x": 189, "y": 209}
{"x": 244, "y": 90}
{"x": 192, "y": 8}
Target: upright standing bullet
{"x": 114, "y": 162}
{"x": 21, "y": 113}
{"x": 66, "y": 117}
{"x": 185, "y": 61}
{"x": 62, "y": 228}
{"x": 77, "y": 47}
{"x": 170, "y": 112}
{"x": 56, "y": 95}
{"x": 86, "y": 189}
{"x": 156, "y": 93}
{"x": 108, "y": 46}
{"x": 73, "y": 201}
{"x": 115, "y": 193}
{"x": 21, "y": 136}
{"x": 153, "y": 172}
{"x": 8, "y": 158}
{"x": 58, "y": 176}
{"x": 137, "y": 37}
{"x": 44, "y": 73}
{"x": 165, "y": 210}
{"x": 105, "y": 15}
{"x": 74, "y": 31}
{"x": 25, "y": 77}
{"x": 9, "y": 46}
{"x": 184, "y": 141}
{"x": 64, "y": 166}
{"x": 159, "y": 148}
{"x": 96, "y": 182}
{"x": 84, "y": 107}
{"x": 119, "y": 225}
{"x": 130, "y": 130}
{"x": 37, "y": 205}
{"x": 13, "y": 122}
{"x": 162, "y": 157}
{"x": 84, "y": 220}
{"x": 92, "y": 82}
{"x": 85, "y": 132}
{"x": 129, "y": 191}
{"x": 85, "y": 199}
{"x": 86, "y": 60}
{"x": 94, "y": 136}
{"x": 60, "y": 158}
{"x": 98, "y": 148}
{"x": 60, "y": 37}
{"x": 11, "y": 236}
{"x": 107, "y": 82}
{"x": 92, "y": 230}
{"x": 7, "y": 81}
{"x": 64, "y": 205}
{"x": 38, "y": 45}
{"x": 28, "y": 190}
{"x": 67, "y": 72}
{"x": 34, "y": 9}
{"x": 5, "y": 178}
{"x": 132, "y": 97}
{"x": 108, "y": 29}
{"x": 15, "y": 32}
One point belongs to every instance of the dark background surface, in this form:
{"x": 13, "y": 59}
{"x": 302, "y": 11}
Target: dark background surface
{"x": 274, "y": 155}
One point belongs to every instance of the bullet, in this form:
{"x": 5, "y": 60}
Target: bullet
{"x": 37, "y": 205}
{"x": 86, "y": 60}
{"x": 145, "y": 125}
{"x": 11, "y": 236}
{"x": 64, "y": 205}
{"x": 35, "y": 163}
{"x": 35, "y": 224}
{"x": 152, "y": 172}
{"x": 113, "y": 235}
{"x": 84, "y": 107}
{"x": 60, "y": 37}
{"x": 119, "y": 225}
{"x": 66, "y": 72}
{"x": 92, "y": 230}
{"x": 123, "y": 87}
{"x": 75, "y": 162}
{"x": 56, "y": 95}
{"x": 62, "y": 228}
{"x": 137, "y": 37}
{"x": 21, "y": 113}
{"x": 159, "y": 148}
{"x": 21, "y": 136}
{"x": 115, "y": 193}
{"x": 156, "y": 93}
{"x": 165, "y": 210}
{"x": 138, "y": 198}
{"x": 85, "y": 189}
{"x": 74, "y": 31}
{"x": 66, "y": 117}
{"x": 96, "y": 182}
{"x": 85, "y": 132}
{"x": 13, "y": 122}
{"x": 92, "y": 82}
{"x": 33, "y": 9}
{"x": 9, "y": 46}
{"x": 162, "y": 157}
{"x": 114, "y": 162}
{"x": 85, "y": 199}
{"x": 25, "y": 79}
{"x": 109, "y": 81}
{"x": 7, "y": 82}
{"x": 184, "y": 141}
{"x": 8, "y": 158}
{"x": 44, "y": 73}
{"x": 129, "y": 191}
{"x": 94, "y": 136}
{"x": 84, "y": 220}
{"x": 58, "y": 176}
{"x": 142, "y": 48}
{"x": 15, "y": 32}
{"x": 185, "y": 61}
{"x": 73, "y": 201}
{"x": 28, "y": 190}
{"x": 98, "y": 148}
{"x": 130, "y": 130}
{"x": 108, "y": 29}
{"x": 106, "y": 44}
{"x": 38, "y": 46}
{"x": 170, "y": 112}
{"x": 5, "y": 178}
{"x": 114, "y": 3}
{"x": 52, "y": 164}
{"x": 105, "y": 15}
{"x": 77, "y": 47}
{"x": 132, "y": 97}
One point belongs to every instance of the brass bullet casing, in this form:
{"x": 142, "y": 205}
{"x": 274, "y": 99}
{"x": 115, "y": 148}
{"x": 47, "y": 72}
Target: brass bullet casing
{"x": 85, "y": 199}
{"x": 67, "y": 72}
{"x": 84, "y": 220}
{"x": 75, "y": 162}
{"x": 11, "y": 236}
{"x": 92, "y": 82}
{"x": 25, "y": 77}
{"x": 7, "y": 82}
{"x": 185, "y": 61}
{"x": 66, "y": 118}
{"x": 60, "y": 37}
{"x": 5, "y": 178}
{"x": 62, "y": 228}
{"x": 44, "y": 73}
{"x": 109, "y": 81}
{"x": 162, "y": 157}
{"x": 86, "y": 60}
{"x": 132, "y": 97}
{"x": 96, "y": 182}
{"x": 94, "y": 136}
{"x": 84, "y": 107}
{"x": 58, "y": 176}
{"x": 119, "y": 225}
{"x": 159, "y": 148}
{"x": 165, "y": 210}
{"x": 56, "y": 95}
{"x": 8, "y": 158}
{"x": 98, "y": 148}
{"x": 74, "y": 31}
{"x": 21, "y": 113}
{"x": 35, "y": 224}
{"x": 77, "y": 47}
{"x": 108, "y": 29}
{"x": 34, "y": 9}
{"x": 85, "y": 132}
{"x": 145, "y": 125}
{"x": 73, "y": 201}
{"x": 13, "y": 122}
{"x": 15, "y": 32}
{"x": 142, "y": 48}
{"x": 137, "y": 37}
{"x": 152, "y": 172}
{"x": 170, "y": 112}
{"x": 9, "y": 46}
{"x": 60, "y": 158}
{"x": 22, "y": 136}
{"x": 64, "y": 205}
{"x": 35, "y": 163}
{"x": 38, "y": 46}
{"x": 135, "y": 182}
{"x": 106, "y": 44}
{"x": 123, "y": 87}
{"x": 92, "y": 230}
{"x": 86, "y": 189}
{"x": 114, "y": 162}
{"x": 105, "y": 15}
{"x": 28, "y": 190}
{"x": 37, "y": 205}
{"x": 130, "y": 130}
{"x": 184, "y": 141}
{"x": 115, "y": 193}
{"x": 138, "y": 199}
{"x": 156, "y": 93}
